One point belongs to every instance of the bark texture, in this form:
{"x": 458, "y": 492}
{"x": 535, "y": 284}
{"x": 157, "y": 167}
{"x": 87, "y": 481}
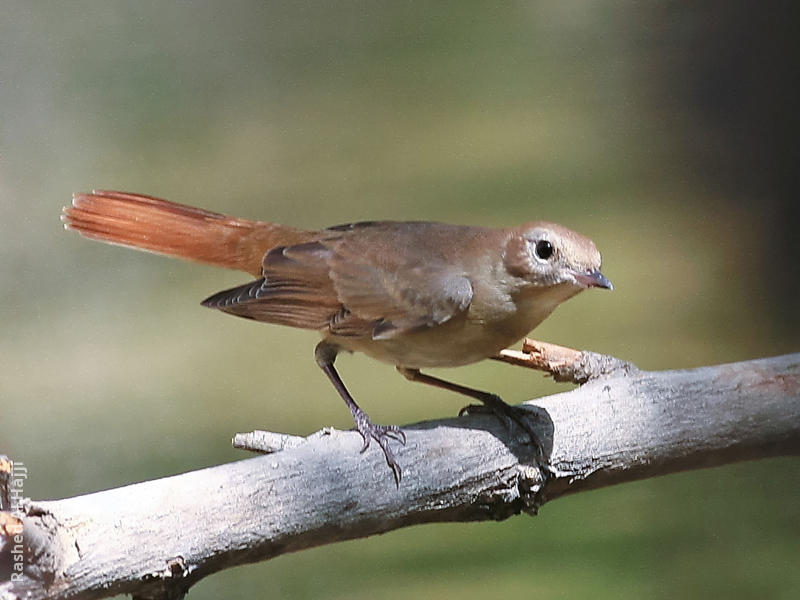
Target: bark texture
{"x": 157, "y": 538}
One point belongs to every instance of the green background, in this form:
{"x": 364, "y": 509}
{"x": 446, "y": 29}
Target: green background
{"x": 657, "y": 130}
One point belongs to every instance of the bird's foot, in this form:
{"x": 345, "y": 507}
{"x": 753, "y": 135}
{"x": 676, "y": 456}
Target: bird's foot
{"x": 381, "y": 434}
{"x": 507, "y": 414}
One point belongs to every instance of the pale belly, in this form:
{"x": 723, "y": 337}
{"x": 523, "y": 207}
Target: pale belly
{"x": 449, "y": 345}
{"x": 465, "y": 339}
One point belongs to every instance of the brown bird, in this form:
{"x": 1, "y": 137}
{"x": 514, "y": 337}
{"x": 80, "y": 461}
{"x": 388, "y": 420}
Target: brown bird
{"x": 412, "y": 294}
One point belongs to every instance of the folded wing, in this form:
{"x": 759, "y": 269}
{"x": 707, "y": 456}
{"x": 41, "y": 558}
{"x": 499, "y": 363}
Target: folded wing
{"x": 356, "y": 281}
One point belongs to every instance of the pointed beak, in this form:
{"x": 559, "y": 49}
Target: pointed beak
{"x": 593, "y": 278}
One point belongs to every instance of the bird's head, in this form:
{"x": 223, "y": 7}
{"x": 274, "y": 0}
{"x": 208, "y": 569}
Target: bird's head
{"x": 548, "y": 254}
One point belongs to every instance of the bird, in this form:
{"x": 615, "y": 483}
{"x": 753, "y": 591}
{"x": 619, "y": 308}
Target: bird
{"x": 413, "y": 294}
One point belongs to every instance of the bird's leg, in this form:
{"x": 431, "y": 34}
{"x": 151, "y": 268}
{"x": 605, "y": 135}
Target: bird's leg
{"x": 491, "y": 403}
{"x": 325, "y": 355}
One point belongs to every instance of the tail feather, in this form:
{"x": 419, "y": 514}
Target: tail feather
{"x": 164, "y": 227}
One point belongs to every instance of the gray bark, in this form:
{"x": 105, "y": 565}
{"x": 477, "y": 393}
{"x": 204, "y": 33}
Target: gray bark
{"x": 157, "y": 538}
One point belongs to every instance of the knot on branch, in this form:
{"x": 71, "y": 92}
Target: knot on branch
{"x": 169, "y": 583}
{"x": 518, "y": 490}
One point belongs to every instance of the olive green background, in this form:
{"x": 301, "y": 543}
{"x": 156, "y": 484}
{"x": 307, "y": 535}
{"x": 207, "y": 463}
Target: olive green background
{"x": 660, "y": 131}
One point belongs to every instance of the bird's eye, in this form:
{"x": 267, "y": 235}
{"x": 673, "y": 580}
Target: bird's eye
{"x": 543, "y": 250}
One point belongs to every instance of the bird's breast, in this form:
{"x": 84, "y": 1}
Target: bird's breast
{"x": 492, "y": 322}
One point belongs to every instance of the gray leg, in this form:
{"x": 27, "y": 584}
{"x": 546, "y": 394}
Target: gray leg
{"x": 491, "y": 403}
{"x": 326, "y": 354}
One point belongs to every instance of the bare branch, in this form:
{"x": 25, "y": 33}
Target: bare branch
{"x": 266, "y": 442}
{"x": 156, "y": 539}
{"x": 564, "y": 364}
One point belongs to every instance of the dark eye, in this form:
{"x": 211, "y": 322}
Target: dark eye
{"x": 543, "y": 249}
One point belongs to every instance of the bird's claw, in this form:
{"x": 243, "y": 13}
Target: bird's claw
{"x": 382, "y": 434}
{"x": 483, "y": 409}
{"x": 507, "y": 415}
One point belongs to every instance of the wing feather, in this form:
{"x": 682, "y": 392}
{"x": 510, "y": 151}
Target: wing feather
{"x": 352, "y": 283}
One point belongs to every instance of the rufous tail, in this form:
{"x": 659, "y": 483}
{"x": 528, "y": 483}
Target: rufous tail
{"x": 173, "y": 229}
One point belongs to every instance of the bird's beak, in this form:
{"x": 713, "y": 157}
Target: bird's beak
{"x": 593, "y": 278}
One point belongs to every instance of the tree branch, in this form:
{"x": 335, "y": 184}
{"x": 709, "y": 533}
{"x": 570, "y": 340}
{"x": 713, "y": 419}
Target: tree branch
{"x": 565, "y": 364}
{"x": 157, "y": 538}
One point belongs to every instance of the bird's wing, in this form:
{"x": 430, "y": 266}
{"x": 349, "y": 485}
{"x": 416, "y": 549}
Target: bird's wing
{"x": 296, "y": 290}
{"x": 392, "y": 286}
{"x": 359, "y": 281}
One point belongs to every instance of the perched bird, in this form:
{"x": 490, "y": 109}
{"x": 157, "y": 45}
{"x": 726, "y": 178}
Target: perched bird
{"x": 412, "y": 294}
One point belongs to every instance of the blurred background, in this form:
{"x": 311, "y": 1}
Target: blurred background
{"x": 666, "y": 132}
